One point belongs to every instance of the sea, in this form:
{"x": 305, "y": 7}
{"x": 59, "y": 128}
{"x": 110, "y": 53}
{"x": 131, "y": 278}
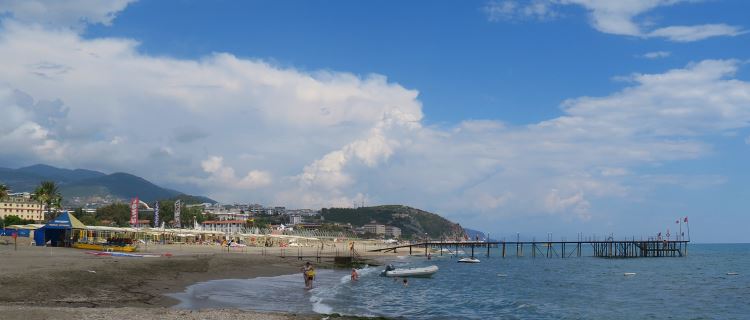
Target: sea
{"x": 711, "y": 282}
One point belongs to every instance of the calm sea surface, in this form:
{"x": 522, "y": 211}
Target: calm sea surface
{"x": 693, "y": 287}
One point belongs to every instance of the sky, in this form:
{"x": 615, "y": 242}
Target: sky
{"x": 532, "y": 117}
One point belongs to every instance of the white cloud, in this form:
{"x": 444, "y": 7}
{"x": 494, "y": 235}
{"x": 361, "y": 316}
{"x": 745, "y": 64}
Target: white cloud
{"x": 509, "y": 10}
{"x": 224, "y": 178}
{"x": 246, "y": 130}
{"x": 69, "y": 13}
{"x": 695, "y": 33}
{"x": 656, "y": 54}
{"x": 613, "y": 17}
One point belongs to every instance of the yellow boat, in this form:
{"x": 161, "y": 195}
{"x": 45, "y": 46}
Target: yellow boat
{"x": 101, "y": 247}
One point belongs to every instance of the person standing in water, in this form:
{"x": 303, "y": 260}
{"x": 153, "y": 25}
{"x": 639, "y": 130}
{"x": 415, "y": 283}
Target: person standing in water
{"x": 355, "y": 275}
{"x": 308, "y": 272}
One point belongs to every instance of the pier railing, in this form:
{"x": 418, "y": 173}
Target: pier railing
{"x": 560, "y": 249}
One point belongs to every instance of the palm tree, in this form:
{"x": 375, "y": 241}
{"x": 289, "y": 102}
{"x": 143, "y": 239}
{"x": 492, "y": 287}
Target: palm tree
{"x": 48, "y": 195}
{"x": 3, "y": 191}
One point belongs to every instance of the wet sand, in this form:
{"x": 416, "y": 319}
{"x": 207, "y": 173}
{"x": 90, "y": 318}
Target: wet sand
{"x": 61, "y": 283}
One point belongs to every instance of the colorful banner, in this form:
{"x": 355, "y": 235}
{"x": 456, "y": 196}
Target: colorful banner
{"x": 134, "y": 212}
{"x": 156, "y": 215}
{"x": 177, "y": 214}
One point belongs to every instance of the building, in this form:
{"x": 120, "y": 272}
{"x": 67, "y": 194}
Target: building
{"x": 225, "y": 226}
{"x": 374, "y": 228}
{"x": 295, "y": 219}
{"x": 143, "y": 223}
{"x": 224, "y": 215}
{"x": 22, "y": 206}
{"x": 391, "y": 231}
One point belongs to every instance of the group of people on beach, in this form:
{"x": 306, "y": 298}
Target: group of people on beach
{"x": 308, "y": 272}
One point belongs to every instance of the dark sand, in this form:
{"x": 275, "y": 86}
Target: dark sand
{"x": 65, "y": 283}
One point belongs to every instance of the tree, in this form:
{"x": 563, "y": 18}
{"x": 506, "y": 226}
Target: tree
{"x": 48, "y": 195}
{"x": 119, "y": 213}
{"x": 85, "y": 218}
{"x": 3, "y": 191}
{"x": 14, "y": 219}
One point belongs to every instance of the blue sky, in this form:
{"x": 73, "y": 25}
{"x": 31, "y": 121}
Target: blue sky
{"x": 558, "y": 116}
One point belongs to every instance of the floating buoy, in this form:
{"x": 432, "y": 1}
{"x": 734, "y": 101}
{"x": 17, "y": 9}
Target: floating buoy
{"x": 629, "y": 273}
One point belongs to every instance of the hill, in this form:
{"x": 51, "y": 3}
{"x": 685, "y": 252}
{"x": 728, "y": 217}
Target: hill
{"x": 413, "y": 222}
{"x": 80, "y": 185}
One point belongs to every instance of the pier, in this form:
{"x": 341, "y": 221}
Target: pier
{"x": 558, "y": 249}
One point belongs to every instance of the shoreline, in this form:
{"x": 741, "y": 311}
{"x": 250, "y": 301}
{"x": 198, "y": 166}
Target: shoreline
{"x": 64, "y": 281}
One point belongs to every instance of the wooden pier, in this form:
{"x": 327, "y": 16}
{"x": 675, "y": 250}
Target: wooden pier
{"x": 560, "y": 249}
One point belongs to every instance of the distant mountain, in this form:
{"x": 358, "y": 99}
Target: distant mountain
{"x": 413, "y": 222}
{"x": 81, "y": 186}
{"x": 58, "y": 174}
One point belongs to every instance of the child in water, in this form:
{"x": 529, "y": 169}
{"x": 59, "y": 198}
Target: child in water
{"x": 355, "y": 275}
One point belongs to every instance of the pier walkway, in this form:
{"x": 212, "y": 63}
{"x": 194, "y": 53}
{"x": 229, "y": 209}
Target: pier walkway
{"x": 560, "y": 249}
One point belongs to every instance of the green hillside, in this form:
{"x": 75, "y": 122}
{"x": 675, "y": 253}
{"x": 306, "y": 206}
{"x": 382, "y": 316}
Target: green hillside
{"x": 80, "y": 186}
{"x": 413, "y": 222}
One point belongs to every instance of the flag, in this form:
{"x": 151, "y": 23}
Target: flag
{"x": 177, "y": 214}
{"x": 659, "y": 235}
{"x": 156, "y": 215}
{"x": 685, "y": 219}
{"x": 678, "y": 221}
{"x": 134, "y": 212}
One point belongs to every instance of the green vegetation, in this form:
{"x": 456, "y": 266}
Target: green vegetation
{"x": 3, "y": 191}
{"x": 413, "y": 222}
{"x": 14, "y": 219}
{"x": 48, "y": 194}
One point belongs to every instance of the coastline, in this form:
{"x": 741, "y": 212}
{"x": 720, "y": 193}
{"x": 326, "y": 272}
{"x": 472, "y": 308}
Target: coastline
{"x": 41, "y": 282}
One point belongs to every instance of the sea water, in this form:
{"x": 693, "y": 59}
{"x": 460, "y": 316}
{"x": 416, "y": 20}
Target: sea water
{"x": 694, "y": 287}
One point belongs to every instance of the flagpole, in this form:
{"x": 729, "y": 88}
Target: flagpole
{"x": 680, "y": 235}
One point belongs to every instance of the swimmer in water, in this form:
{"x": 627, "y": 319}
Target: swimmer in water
{"x": 355, "y": 275}
{"x": 406, "y": 282}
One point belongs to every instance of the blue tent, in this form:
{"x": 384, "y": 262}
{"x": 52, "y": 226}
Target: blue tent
{"x": 39, "y": 236}
{"x": 59, "y": 231}
{"x": 65, "y": 221}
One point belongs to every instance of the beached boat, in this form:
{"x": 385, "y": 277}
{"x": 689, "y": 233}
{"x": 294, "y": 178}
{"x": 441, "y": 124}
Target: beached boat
{"x": 468, "y": 260}
{"x": 391, "y": 271}
{"x": 101, "y": 247}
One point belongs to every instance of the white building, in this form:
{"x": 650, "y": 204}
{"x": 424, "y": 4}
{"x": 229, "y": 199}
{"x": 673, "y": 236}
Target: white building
{"x": 226, "y": 226}
{"x": 374, "y": 228}
{"x": 231, "y": 215}
{"x": 392, "y": 231}
{"x": 295, "y": 219}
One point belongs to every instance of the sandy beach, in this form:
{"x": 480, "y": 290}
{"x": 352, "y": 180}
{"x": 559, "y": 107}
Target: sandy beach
{"x": 62, "y": 283}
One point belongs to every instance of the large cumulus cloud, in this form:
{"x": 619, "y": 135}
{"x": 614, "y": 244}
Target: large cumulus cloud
{"x": 242, "y": 129}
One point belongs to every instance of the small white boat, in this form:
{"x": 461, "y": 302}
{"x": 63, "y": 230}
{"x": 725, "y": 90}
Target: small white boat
{"x": 629, "y": 274}
{"x": 469, "y": 260}
{"x": 391, "y": 271}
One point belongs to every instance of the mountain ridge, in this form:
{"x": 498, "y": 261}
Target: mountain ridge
{"x": 81, "y": 185}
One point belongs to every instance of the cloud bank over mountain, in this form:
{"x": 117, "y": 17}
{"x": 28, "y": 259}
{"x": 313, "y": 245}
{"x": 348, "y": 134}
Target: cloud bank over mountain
{"x": 244, "y": 129}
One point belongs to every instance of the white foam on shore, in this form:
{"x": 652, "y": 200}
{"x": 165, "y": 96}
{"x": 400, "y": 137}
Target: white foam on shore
{"x": 319, "y": 307}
